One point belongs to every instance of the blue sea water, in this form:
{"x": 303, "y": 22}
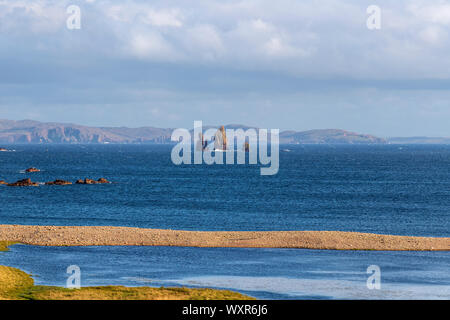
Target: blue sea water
{"x": 387, "y": 189}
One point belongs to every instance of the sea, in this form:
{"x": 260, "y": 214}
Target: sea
{"x": 383, "y": 189}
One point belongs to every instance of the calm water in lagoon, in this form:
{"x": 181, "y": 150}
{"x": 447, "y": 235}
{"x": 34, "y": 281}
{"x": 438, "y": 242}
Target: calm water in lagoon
{"x": 382, "y": 189}
{"x": 261, "y": 273}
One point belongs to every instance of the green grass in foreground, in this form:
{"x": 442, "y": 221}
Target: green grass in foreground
{"x": 4, "y": 245}
{"x": 18, "y": 285}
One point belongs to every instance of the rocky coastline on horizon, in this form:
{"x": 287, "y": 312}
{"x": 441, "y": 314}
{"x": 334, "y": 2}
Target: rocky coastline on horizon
{"x": 35, "y": 132}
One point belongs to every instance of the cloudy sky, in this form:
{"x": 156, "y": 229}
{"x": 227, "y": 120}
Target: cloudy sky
{"x": 288, "y": 64}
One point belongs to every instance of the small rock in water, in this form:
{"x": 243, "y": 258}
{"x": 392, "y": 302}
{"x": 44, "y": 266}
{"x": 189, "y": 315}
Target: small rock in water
{"x": 86, "y": 181}
{"x": 90, "y": 181}
{"x": 23, "y": 183}
{"x": 3, "y": 182}
{"x": 58, "y": 182}
{"x": 32, "y": 170}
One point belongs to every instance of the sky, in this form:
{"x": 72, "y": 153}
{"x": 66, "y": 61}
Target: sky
{"x": 286, "y": 64}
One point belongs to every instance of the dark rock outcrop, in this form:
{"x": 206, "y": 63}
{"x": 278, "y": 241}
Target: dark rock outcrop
{"x": 90, "y": 181}
{"x": 23, "y": 183}
{"x": 58, "y": 182}
{"x": 32, "y": 170}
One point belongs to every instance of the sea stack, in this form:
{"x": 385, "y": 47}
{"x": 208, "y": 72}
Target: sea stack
{"x": 220, "y": 139}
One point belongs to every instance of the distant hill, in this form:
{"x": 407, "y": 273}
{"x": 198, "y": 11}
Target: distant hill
{"x": 332, "y": 136}
{"x": 28, "y": 131}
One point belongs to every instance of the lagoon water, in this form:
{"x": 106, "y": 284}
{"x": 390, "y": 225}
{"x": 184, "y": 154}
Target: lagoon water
{"x": 261, "y": 273}
{"x": 387, "y": 189}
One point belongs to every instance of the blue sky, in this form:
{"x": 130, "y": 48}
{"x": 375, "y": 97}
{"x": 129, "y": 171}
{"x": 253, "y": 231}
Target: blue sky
{"x": 275, "y": 64}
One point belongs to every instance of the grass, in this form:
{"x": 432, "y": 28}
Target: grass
{"x": 18, "y": 285}
{"x": 13, "y": 282}
{"x": 4, "y": 245}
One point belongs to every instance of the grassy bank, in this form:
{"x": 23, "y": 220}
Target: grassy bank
{"x": 18, "y": 285}
{"x": 4, "y": 245}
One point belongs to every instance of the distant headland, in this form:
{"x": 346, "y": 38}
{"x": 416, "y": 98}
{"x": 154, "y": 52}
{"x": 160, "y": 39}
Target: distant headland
{"x": 35, "y": 132}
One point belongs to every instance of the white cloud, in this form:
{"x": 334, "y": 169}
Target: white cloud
{"x": 37, "y": 16}
{"x": 308, "y": 38}
{"x": 432, "y": 12}
{"x": 259, "y": 24}
{"x": 137, "y": 13}
{"x": 204, "y": 41}
{"x": 163, "y": 18}
{"x": 433, "y": 35}
{"x": 150, "y": 45}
